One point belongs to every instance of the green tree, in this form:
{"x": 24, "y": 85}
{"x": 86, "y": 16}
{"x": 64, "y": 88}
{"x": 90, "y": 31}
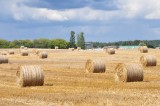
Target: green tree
{"x": 136, "y": 42}
{"x": 81, "y": 40}
{"x": 42, "y": 43}
{"x": 142, "y": 44}
{"x": 28, "y": 43}
{"x": 18, "y": 43}
{"x": 4, "y": 43}
{"x": 61, "y": 43}
{"x": 72, "y": 40}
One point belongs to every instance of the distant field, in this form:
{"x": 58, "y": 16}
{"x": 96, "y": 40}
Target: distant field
{"x": 67, "y": 83}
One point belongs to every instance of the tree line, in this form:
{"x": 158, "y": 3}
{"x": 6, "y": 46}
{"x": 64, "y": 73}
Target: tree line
{"x": 37, "y": 43}
{"x": 74, "y": 42}
{"x": 46, "y": 43}
{"x": 149, "y": 43}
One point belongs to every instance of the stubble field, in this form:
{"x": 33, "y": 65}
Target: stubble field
{"x": 68, "y": 84}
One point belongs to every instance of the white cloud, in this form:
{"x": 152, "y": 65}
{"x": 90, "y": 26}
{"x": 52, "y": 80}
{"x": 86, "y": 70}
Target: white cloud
{"x": 7, "y": 6}
{"x": 127, "y": 9}
{"x": 147, "y": 9}
{"x": 153, "y": 15}
{"x": 24, "y": 13}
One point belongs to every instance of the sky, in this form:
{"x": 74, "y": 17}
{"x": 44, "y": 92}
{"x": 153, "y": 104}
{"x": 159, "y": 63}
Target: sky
{"x": 100, "y": 20}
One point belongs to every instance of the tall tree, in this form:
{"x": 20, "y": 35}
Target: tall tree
{"x": 72, "y": 40}
{"x": 81, "y": 40}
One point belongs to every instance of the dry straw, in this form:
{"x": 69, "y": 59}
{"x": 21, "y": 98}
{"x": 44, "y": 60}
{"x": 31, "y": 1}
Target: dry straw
{"x": 110, "y": 50}
{"x": 31, "y": 75}
{"x": 4, "y": 53}
{"x": 24, "y": 52}
{"x": 148, "y": 60}
{"x": 37, "y": 51}
{"x": 25, "y": 48}
{"x": 95, "y": 66}
{"x": 21, "y": 47}
{"x": 129, "y": 72}
{"x": 71, "y": 49}
{"x": 56, "y": 47}
{"x": 43, "y": 55}
{"x": 3, "y": 59}
{"x": 143, "y": 49}
{"x": 11, "y": 52}
{"x": 78, "y": 48}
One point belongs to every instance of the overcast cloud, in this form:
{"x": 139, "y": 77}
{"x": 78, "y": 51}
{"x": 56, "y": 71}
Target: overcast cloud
{"x": 102, "y": 20}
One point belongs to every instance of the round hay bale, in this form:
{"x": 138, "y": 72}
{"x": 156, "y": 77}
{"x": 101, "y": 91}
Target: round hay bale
{"x": 21, "y": 47}
{"x": 3, "y": 59}
{"x": 95, "y": 66}
{"x": 31, "y": 75}
{"x": 4, "y": 53}
{"x": 43, "y": 55}
{"x": 129, "y": 72}
{"x": 143, "y": 49}
{"x": 111, "y": 51}
{"x": 11, "y": 52}
{"x": 78, "y": 48}
{"x": 148, "y": 60}
{"x": 71, "y": 49}
{"x": 56, "y": 47}
{"x": 24, "y": 53}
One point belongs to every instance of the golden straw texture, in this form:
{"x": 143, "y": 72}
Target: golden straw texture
{"x": 129, "y": 72}
{"x": 3, "y": 59}
{"x": 95, "y": 66}
{"x": 143, "y": 49}
{"x": 43, "y": 55}
{"x": 11, "y": 52}
{"x": 31, "y": 75}
{"x": 148, "y": 60}
{"x": 24, "y": 52}
{"x": 110, "y": 50}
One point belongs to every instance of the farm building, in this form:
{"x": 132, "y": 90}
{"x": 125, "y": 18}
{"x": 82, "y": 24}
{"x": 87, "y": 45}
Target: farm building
{"x": 88, "y": 45}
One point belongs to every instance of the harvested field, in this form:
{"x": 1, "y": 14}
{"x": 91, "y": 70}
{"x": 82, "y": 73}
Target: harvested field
{"x": 67, "y": 84}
